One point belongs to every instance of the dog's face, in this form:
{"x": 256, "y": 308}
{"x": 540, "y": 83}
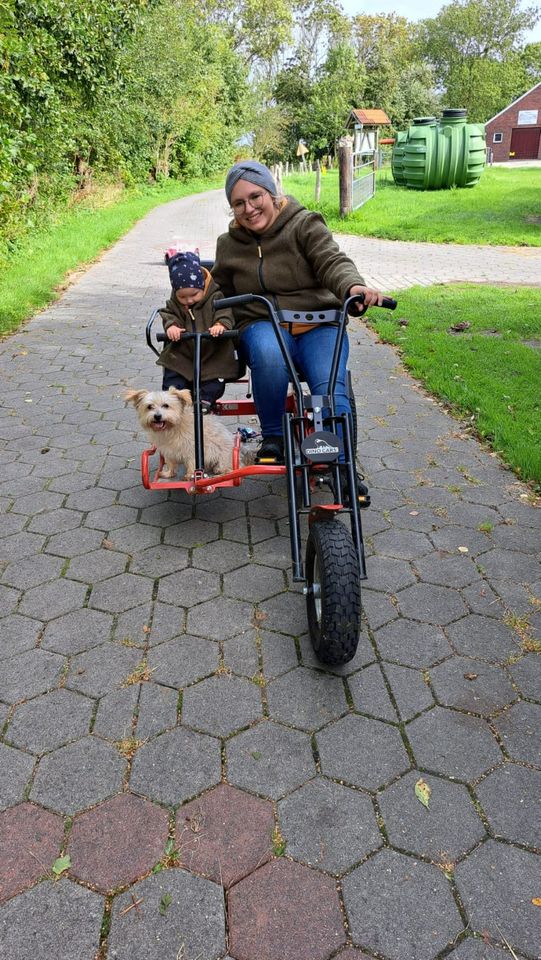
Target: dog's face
{"x": 161, "y": 410}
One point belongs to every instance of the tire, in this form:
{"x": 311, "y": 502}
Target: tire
{"x": 333, "y": 601}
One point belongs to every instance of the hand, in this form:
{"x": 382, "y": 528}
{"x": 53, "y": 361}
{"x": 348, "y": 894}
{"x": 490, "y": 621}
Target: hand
{"x": 371, "y": 297}
{"x": 174, "y": 332}
{"x": 217, "y": 329}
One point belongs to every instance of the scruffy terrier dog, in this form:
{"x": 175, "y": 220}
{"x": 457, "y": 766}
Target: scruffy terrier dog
{"x": 167, "y": 418}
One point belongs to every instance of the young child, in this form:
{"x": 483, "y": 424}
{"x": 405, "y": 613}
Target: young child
{"x": 189, "y": 308}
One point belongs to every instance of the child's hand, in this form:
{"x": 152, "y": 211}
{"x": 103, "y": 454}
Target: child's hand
{"x": 216, "y": 329}
{"x": 174, "y": 332}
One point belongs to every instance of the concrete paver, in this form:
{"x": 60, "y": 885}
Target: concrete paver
{"x": 157, "y": 679}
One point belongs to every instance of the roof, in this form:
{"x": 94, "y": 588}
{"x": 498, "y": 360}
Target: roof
{"x": 372, "y": 118}
{"x": 512, "y": 104}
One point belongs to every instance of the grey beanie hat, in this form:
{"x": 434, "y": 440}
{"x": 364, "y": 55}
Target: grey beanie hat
{"x": 253, "y": 171}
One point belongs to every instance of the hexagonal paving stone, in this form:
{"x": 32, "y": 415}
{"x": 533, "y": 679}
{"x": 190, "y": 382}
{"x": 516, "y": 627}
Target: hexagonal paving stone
{"x": 221, "y": 705}
{"x": 183, "y": 660}
{"x": 219, "y": 508}
{"x": 102, "y": 669}
{"x": 284, "y": 911}
{"x": 279, "y": 654}
{"x": 50, "y": 721}
{"x": 365, "y": 753}
{"x": 15, "y": 770}
{"x": 380, "y": 893}
{"x": 443, "y": 832}
{"x": 55, "y": 521}
{"x": 254, "y": 583}
{"x": 167, "y": 623}
{"x": 157, "y": 710}
{"x": 30, "y": 842}
{"x": 269, "y": 506}
{"x": 18, "y": 634}
{"x": 28, "y": 674}
{"x": 122, "y": 592}
{"x": 77, "y": 631}
{"x": 519, "y": 729}
{"x": 219, "y": 619}
{"x": 74, "y": 542}
{"x": 219, "y": 556}
{"x": 159, "y": 561}
{"x": 32, "y": 571}
{"x": 285, "y": 613}
{"x": 176, "y": 766}
{"x": 431, "y": 604}
{"x": 328, "y": 826}
{"x": 483, "y": 637}
{"x": 53, "y": 599}
{"x": 78, "y": 775}
{"x": 370, "y": 694}
{"x": 510, "y": 799}
{"x": 389, "y": 575}
{"x": 52, "y": 920}
{"x": 454, "y": 571}
{"x": 108, "y": 518}
{"x": 114, "y": 718}
{"x": 402, "y": 544}
{"x": 241, "y": 654}
{"x": 453, "y": 743}
{"x": 378, "y": 608}
{"x": 306, "y": 699}
{"x": 412, "y": 644}
{"x": 351, "y": 953}
{"x": 497, "y": 883}
{"x": 269, "y": 759}
{"x": 132, "y": 626}
{"x": 479, "y": 949}
{"x": 193, "y": 920}
{"x": 97, "y": 565}
{"x": 510, "y": 565}
{"x": 191, "y": 533}
{"x": 410, "y": 690}
{"x": 472, "y": 685}
{"x": 527, "y": 675}
{"x": 135, "y": 537}
{"x": 225, "y": 835}
{"x": 188, "y": 588}
{"x": 117, "y": 842}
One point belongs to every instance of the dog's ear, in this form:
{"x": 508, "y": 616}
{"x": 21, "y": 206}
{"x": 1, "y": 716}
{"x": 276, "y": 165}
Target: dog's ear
{"x": 183, "y": 395}
{"x": 135, "y": 396}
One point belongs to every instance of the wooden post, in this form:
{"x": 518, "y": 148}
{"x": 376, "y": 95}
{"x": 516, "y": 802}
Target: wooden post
{"x": 318, "y": 181}
{"x": 345, "y": 174}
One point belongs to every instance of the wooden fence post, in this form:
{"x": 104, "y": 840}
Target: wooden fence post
{"x": 345, "y": 174}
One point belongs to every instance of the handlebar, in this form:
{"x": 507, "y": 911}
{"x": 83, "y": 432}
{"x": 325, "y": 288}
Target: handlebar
{"x": 387, "y": 302}
{"x": 227, "y": 335}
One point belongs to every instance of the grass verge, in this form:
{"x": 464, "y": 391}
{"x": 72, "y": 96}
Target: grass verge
{"x": 503, "y": 208}
{"x": 489, "y": 372}
{"x": 34, "y": 274}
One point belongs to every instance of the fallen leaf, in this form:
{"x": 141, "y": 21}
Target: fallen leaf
{"x": 422, "y": 792}
{"x": 61, "y": 864}
{"x": 460, "y": 327}
{"x": 165, "y": 902}
{"x": 107, "y": 544}
{"x": 414, "y": 513}
{"x": 471, "y": 676}
{"x": 536, "y": 901}
{"x": 463, "y": 549}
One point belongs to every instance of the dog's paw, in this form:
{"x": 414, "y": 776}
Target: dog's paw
{"x": 167, "y": 472}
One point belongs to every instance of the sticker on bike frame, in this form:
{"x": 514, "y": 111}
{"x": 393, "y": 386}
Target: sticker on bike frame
{"x": 322, "y": 447}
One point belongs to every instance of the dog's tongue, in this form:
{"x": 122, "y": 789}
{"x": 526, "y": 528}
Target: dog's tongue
{"x": 159, "y": 426}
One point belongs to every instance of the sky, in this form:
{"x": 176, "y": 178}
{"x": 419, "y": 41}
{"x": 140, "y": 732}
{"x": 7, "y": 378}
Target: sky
{"x": 412, "y": 10}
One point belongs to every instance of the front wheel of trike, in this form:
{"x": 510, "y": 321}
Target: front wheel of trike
{"x": 333, "y": 598}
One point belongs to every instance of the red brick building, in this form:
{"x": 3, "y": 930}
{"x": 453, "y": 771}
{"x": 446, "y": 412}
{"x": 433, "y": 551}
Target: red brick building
{"x": 515, "y": 133}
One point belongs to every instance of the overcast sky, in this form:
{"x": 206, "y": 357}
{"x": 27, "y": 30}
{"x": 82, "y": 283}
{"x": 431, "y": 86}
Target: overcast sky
{"x": 412, "y": 9}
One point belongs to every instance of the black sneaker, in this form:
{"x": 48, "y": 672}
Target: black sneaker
{"x": 363, "y": 496}
{"x": 271, "y": 451}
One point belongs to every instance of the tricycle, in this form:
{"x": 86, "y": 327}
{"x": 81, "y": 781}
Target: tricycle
{"x": 319, "y": 450}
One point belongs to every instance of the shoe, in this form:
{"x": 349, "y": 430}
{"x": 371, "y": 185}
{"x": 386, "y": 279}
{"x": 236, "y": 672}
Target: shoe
{"x": 363, "y": 496}
{"x": 206, "y": 407}
{"x": 271, "y": 451}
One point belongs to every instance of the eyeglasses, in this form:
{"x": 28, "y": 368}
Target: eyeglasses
{"x": 256, "y": 200}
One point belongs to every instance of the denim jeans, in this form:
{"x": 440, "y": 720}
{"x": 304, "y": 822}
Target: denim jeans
{"x": 211, "y": 390}
{"x": 312, "y": 355}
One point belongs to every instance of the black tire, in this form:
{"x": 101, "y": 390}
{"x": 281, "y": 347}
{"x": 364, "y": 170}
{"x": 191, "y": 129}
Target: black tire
{"x": 333, "y": 600}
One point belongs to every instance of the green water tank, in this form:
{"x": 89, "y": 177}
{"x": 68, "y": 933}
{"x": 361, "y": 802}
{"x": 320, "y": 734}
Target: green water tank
{"x": 437, "y": 154}
{"x": 397, "y": 158}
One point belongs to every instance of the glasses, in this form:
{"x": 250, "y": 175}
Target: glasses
{"x": 256, "y": 200}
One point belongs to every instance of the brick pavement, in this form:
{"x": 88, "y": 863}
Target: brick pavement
{"x": 163, "y": 719}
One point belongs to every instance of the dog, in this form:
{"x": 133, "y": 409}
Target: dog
{"x": 167, "y": 417}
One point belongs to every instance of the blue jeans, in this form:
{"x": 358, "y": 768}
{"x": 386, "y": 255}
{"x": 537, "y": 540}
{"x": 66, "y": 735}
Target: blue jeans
{"x": 312, "y": 355}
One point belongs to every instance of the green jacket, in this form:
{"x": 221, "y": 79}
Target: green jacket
{"x": 218, "y": 357}
{"x": 295, "y": 262}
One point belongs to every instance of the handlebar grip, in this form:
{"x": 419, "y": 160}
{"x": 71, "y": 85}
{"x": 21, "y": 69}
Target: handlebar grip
{"x": 227, "y": 334}
{"x": 388, "y": 303}
{"x": 225, "y": 302}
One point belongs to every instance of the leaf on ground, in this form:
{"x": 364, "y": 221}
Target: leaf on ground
{"x": 536, "y": 901}
{"x": 422, "y": 792}
{"x": 463, "y": 549}
{"x": 165, "y": 902}
{"x": 460, "y": 327}
{"x": 61, "y": 864}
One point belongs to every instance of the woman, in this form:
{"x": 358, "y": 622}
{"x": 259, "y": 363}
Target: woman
{"x": 278, "y": 248}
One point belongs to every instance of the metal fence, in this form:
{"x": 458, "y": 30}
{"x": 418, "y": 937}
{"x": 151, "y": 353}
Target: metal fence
{"x": 364, "y": 178}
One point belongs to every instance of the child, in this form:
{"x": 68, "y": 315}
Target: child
{"x": 189, "y": 308}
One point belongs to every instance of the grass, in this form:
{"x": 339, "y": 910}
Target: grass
{"x": 488, "y": 373}
{"x": 503, "y": 208}
{"x": 36, "y": 273}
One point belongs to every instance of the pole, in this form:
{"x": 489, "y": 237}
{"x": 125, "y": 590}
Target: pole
{"x": 318, "y": 181}
{"x": 345, "y": 174}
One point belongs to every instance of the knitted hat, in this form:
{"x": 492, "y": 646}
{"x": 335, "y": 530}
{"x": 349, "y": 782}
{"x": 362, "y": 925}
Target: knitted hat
{"x": 253, "y": 171}
{"x": 185, "y": 271}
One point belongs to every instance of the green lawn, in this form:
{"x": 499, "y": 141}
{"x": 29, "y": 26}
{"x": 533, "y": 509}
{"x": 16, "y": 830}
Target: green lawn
{"x": 491, "y": 372}
{"x": 32, "y": 277}
{"x": 503, "y": 208}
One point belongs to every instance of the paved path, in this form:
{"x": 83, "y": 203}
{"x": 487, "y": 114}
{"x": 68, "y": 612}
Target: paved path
{"x": 163, "y": 720}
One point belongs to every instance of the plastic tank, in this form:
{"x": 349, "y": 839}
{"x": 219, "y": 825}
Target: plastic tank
{"x": 436, "y": 154}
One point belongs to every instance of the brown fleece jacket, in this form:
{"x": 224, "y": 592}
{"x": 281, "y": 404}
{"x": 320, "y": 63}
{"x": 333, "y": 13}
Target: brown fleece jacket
{"x": 295, "y": 262}
{"x": 218, "y": 357}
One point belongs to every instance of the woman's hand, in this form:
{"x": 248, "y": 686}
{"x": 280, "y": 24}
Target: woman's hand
{"x": 216, "y": 329}
{"x": 372, "y": 298}
{"x": 174, "y": 331}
